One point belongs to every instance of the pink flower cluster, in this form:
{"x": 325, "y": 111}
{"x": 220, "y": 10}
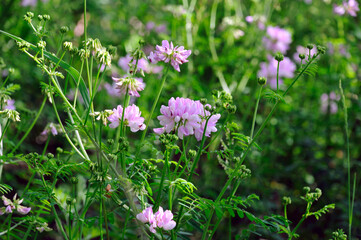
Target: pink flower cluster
{"x": 132, "y": 85}
{"x": 142, "y": 64}
{"x": 161, "y": 219}
{"x": 277, "y": 40}
{"x": 168, "y": 53}
{"x": 132, "y": 118}
{"x": 329, "y": 101}
{"x": 269, "y": 70}
{"x": 15, "y": 204}
{"x": 349, "y": 7}
{"x": 188, "y": 117}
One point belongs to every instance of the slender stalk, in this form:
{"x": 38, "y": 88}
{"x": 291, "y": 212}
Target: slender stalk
{"x": 153, "y": 108}
{"x": 255, "y": 110}
{"x": 350, "y": 210}
{"x": 278, "y": 70}
{"x": 157, "y": 201}
{"x": 31, "y": 125}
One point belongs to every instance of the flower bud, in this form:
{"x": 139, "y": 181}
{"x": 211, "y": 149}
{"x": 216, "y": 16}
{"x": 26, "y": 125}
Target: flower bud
{"x": 40, "y": 17}
{"x": 110, "y": 141}
{"x": 218, "y": 104}
{"x": 46, "y": 17}
{"x": 286, "y": 201}
{"x": 309, "y": 46}
{"x": 74, "y": 180}
{"x": 64, "y": 29}
{"x": 279, "y": 57}
{"x": 203, "y": 101}
{"x": 302, "y": 56}
{"x": 49, "y": 155}
{"x": 59, "y": 150}
{"x": 262, "y": 81}
{"x": 321, "y": 49}
{"x": 232, "y": 109}
{"x": 68, "y": 46}
{"x": 30, "y": 14}
{"x": 41, "y": 44}
{"x": 192, "y": 153}
{"x": 306, "y": 190}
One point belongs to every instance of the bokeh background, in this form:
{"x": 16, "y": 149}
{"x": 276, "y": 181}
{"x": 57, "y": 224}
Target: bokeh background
{"x": 304, "y": 144}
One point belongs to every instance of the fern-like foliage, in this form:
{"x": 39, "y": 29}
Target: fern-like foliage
{"x": 4, "y": 188}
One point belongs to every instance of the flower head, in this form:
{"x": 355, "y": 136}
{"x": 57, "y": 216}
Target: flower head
{"x": 277, "y": 40}
{"x": 168, "y": 53}
{"x": 186, "y": 116}
{"x": 305, "y": 51}
{"x": 132, "y": 118}
{"x": 15, "y": 204}
{"x": 132, "y": 85}
{"x": 350, "y": 7}
{"x": 161, "y": 219}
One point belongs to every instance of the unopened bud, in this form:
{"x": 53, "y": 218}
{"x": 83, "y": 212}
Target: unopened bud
{"x": 49, "y": 155}
{"x": 64, "y": 29}
{"x": 309, "y": 46}
{"x": 74, "y": 180}
{"x": 40, "y": 17}
{"x": 46, "y": 17}
{"x": 192, "y": 153}
{"x": 59, "y": 150}
{"x": 262, "y": 81}
{"x": 302, "y": 56}
{"x": 279, "y": 57}
{"x": 203, "y": 101}
{"x": 321, "y": 49}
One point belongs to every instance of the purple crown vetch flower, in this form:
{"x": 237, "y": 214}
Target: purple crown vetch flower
{"x": 161, "y": 219}
{"x": 188, "y": 117}
{"x": 168, "y": 53}
{"x": 15, "y": 204}
{"x": 132, "y": 118}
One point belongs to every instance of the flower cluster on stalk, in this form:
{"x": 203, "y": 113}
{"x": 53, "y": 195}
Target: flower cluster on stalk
{"x": 161, "y": 219}
{"x": 168, "y": 53}
{"x": 12, "y": 205}
{"x": 187, "y": 117}
{"x": 132, "y": 118}
{"x": 130, "y": 84}
{"x": 349, "y": 7}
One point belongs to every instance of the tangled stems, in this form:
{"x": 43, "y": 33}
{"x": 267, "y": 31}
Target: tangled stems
{"x": 234, "y": 174}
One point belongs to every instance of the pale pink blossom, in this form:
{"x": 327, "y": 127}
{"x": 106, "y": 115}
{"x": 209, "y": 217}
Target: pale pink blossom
{"x": 168, "y": 53}
{"x": 187, "y": 117}
{"x": 161, "y": 219}
{"x": 349, "y": 7}
{"x": 132, "y": 118}
{"x": 130, "y": 85}
{"x": 15, "y": 204}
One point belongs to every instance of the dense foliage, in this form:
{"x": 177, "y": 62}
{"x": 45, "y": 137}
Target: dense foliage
{"x": 180, "y": 119}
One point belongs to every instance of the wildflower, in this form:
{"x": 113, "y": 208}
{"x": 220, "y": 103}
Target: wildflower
{"x": 277, "y": 40}
{"x": 33, "y": 3}
{"x": 249, "y": 19}
{"x": 104, "y": 56}
{"x": 269, "y": 70}
{"x": 167, "y": 52}
{"x": 11, "y": 114}
{"x": 164, "y": 219}
{"x": 43, "y": 227}
{"x": 10, "y": 104}
{"x": 329, "y": 101}
{"x": 15, "y": 204}
{"x": 350, "y": 7}
{"x": 52, "y": 128}
{"x": 186, "y": 116}
{"x": 161, "y": 219}
{"x": 132, "y": 85}
{"x": 132, "y": 118}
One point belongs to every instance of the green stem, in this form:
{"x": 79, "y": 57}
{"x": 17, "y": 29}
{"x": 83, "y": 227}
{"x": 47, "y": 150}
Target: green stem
{"x": 152, "y": 110}
{"x": 9, "y": 225}
{"x": 31, "y": 126}
{"x": 157, "y": 201}
{"x": 278, "y": 70}
{"x": 255, "y": 111}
